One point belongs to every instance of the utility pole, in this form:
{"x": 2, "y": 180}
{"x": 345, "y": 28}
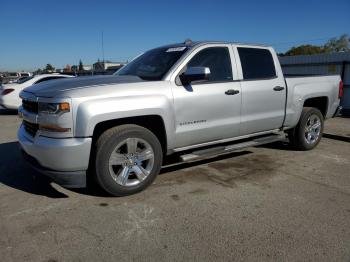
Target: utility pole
{"x": 103, "y": 48}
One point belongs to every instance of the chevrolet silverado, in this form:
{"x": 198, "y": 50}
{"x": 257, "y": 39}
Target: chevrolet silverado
{"x": 196, "y": 99}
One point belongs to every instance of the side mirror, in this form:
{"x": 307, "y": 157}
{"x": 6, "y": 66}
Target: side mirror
{"x": 192, "y": 74}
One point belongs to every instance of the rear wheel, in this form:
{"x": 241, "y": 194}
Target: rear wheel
{"x": 128, "y": 158}
{"x": 307, "y": 134}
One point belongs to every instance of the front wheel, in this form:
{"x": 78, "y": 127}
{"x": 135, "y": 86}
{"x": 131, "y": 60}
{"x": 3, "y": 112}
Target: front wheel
{"x": 307, "y": 134}
{"x": 128, "y": 159}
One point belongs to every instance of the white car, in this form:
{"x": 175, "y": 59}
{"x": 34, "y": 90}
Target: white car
{"x": 23, "y": 74}
{"x": 9, "y": 93}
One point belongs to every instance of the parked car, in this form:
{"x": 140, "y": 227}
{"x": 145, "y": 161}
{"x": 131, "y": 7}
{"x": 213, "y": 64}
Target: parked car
{"x": 11, "y": 77}
{"x": 25, "y": 74}
{"x": 9, "y": 96}
{"x": 15, "y": 77}
{"x": 196, "y": 99}
{"x": 20, "y": 80}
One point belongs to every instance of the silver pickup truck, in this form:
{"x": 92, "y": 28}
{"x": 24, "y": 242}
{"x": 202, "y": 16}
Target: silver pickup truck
{"x": 196, "y": 99}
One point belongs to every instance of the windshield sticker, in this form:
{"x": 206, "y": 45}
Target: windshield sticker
{"x": 176, "y": 49}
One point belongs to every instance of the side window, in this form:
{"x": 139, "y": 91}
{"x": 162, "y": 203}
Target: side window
{"x": 217, "y": 59}
{"x": 256, "y": 63}
{"x": 44, "y": 79}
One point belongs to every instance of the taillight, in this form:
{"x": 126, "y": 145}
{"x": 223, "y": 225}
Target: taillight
{"x": 7, "y": 91}
{"x": 341, "y": 87}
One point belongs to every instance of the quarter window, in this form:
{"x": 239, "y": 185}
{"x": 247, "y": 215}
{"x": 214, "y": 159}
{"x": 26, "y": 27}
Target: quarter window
{"x": 44, "y": 79}
{"x": 217, "y": 59}
{"x": 256, "y": 63}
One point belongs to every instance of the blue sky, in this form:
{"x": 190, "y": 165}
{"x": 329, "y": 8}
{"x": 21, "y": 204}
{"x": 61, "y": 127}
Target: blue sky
{"x": 34, "y": 33}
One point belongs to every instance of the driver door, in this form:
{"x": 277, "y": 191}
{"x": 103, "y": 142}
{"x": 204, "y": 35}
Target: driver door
{"x": 209, "y": 110}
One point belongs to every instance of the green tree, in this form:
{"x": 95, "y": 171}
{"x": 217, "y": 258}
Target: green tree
{"x": 38, "y": 71}
{"x": 305, "y": 50}
{"x": 81, "y": 67}
{"x": 74, "y": 68}
{"x": 341, "y": 44}
{"x": 49, "y": 68}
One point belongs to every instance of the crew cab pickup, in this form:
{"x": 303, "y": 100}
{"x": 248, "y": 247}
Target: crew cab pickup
{"x": 195, "y": 99}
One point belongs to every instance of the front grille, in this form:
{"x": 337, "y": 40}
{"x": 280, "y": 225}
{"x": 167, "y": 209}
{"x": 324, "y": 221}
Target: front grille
{"x": 30, "y": 128}
{"x": 30, "y": 106}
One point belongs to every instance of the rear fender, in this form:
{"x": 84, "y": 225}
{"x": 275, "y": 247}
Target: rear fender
{"x": 297, "y": 97}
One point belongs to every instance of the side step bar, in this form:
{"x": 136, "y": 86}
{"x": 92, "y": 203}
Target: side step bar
{"x": 220, "y": 150}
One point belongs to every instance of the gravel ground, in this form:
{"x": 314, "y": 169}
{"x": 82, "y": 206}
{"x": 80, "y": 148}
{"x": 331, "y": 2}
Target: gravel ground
{"x": 262, "y": 204}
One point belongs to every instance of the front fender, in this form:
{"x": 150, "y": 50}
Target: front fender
{"x": 90, "y": 113}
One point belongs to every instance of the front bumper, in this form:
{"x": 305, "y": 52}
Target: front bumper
{"x": 65, "y": 160}
{"x": 69, "y": 179}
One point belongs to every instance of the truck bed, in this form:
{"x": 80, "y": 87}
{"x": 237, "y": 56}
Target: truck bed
{"x": 301, "y": 79}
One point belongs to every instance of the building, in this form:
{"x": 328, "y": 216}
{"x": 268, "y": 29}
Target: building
{"x": 107, "y": 67}
{"x": 321, "y": 64}
{"x": 87, "y": 67}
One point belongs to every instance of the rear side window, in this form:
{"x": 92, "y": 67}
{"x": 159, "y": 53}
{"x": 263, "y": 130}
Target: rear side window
{"x": 217, "y": 59}
{"x": 47, "y": 79}
{"x": 256, "y": 63}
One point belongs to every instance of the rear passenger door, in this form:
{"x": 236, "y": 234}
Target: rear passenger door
{"x": 263, "y": 90}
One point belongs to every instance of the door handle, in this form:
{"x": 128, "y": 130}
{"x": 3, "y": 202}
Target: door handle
{"x": 231, "y": 92}
{"x": 278, "y": 88}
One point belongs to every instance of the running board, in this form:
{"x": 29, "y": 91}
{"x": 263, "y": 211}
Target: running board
{"x": 220, "y": 150}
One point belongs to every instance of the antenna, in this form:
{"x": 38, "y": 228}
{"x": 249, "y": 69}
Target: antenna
{"x": 103, "y": 48}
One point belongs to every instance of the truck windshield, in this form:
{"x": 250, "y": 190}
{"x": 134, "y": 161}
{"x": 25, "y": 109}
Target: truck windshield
{"x": 153, "y": 64}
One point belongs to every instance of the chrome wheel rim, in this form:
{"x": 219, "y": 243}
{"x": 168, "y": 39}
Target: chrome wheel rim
{"x": 312, "y": 129}
{"x": 131, "y": 162}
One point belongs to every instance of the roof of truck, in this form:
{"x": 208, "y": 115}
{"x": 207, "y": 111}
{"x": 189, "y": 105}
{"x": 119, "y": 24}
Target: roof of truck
{"x": 190, "y": 43}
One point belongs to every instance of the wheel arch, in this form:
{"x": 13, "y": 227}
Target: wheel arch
{"x": 320, "y": 102}
{"x": 154, "y": 123}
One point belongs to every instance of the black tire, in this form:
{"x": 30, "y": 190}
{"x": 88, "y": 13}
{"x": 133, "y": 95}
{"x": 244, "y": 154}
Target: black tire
{"x": 297, "y": 136}
{"x": 106, "y": 144}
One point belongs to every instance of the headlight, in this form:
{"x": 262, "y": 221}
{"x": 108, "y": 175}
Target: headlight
{"x": 53, "y": 119}
{"x": 54, "y": 108}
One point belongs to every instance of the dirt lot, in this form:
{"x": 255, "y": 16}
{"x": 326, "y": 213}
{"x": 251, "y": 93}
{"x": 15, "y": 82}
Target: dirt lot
{"x": 262, "y": 204}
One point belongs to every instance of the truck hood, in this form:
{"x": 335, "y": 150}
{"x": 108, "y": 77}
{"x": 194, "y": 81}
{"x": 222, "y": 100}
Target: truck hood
{"x": 55, "y": 88}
